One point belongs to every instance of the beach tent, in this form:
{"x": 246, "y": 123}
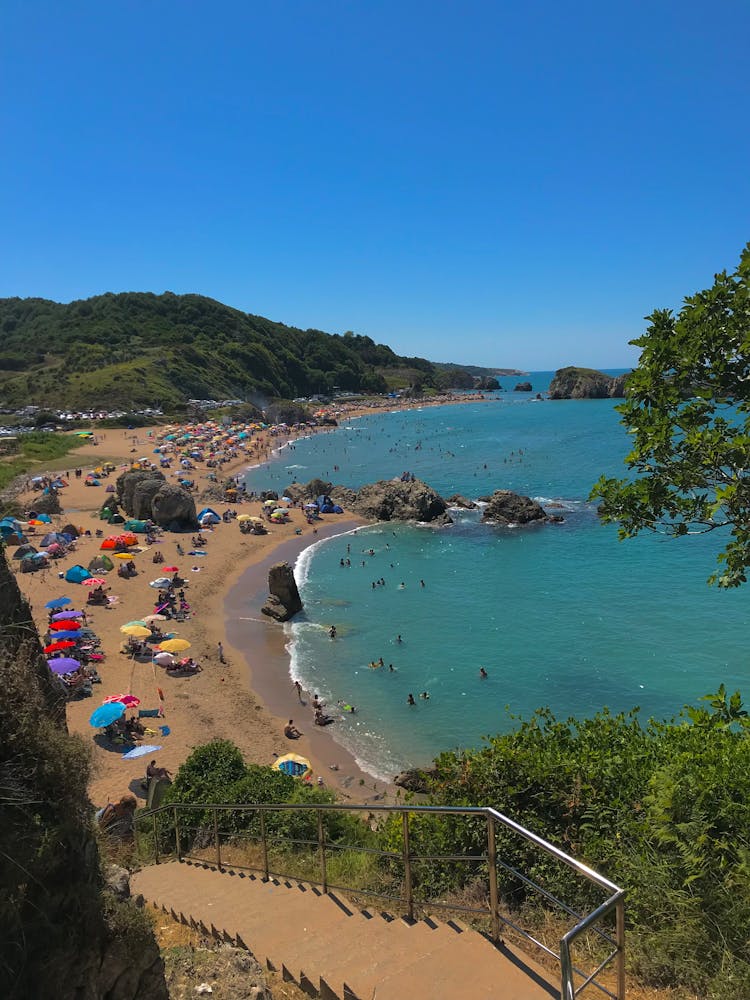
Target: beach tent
{"x": 24, "y": 550}
{"x": 139, "y": 526}
{"x": 101, "y": 564}
{"x": 208, "y": 516}
{"x": 77, "y": 574}
{"x": 71, "y": 530}
{"x": 44, "y": 518}
{"x": 116, "y": 519}
{"x": 54, "y": 537}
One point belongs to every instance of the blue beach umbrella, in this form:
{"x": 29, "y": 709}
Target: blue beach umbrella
{"x": 62, "y": 616}
{"x": 68, "y": 634}
{"x": 59, "y": 602}
{"x": 63, "y": 664}
{"x": 105, "y": 715}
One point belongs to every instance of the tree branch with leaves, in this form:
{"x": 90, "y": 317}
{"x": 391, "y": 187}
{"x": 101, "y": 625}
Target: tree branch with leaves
{"x": 688, "y": 413}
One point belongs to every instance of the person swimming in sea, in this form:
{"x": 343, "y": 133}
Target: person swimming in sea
{"x": 410, "y": 699}
{"x": 424, "y": 696}
{"x": 483, "y": 673}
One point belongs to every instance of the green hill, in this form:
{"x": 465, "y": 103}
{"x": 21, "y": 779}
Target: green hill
{"x": 137, "y": 349}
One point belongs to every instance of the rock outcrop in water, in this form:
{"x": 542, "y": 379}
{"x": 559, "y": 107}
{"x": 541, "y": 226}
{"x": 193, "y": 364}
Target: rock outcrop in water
{"x": 387, "y": 500}
{"x": 523, "y": 387}
{"x": 586, "y": 383}
{"x": 506, "y": 507}
{"x": 283, "y": 601}
{"x": 393, "y": 500}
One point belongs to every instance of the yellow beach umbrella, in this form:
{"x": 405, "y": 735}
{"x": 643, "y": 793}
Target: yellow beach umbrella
{"x": 244, "y": 517}
{"x": 174, "y": 645}
{"x": 124, "y": 555}
{"x": 137, "y": 631}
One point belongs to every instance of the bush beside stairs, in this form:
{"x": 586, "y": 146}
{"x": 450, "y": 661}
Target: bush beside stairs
{"x": 333, "y": 949}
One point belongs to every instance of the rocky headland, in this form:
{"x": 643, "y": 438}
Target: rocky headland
{"x": 586, "y": 383}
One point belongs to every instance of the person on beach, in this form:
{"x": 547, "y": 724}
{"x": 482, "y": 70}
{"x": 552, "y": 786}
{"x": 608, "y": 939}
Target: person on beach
{"x": 298, "y": 689}
{"x": 220, "y": 650}
{"x": 152, "y": 771}
{"x": 290, "y": 731}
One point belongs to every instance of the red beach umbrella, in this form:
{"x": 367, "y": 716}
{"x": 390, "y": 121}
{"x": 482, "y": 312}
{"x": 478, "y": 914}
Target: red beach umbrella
{"x": 63, "y": 626}
{"x": 170, "y": 569}
{"x": 128, "y": 700}
{"x": 56, "y": 647}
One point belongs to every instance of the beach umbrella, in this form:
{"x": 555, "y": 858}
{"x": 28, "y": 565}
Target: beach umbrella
{"x": 164, "y": 659}
{"x": 128, "y": 700}
{"x": 171, "y": 569}
{"x": 94, "y": 581}
{"x": 105, "y": 715}
{"x": 57, "y": 646}
{"x": 139, "y": 631}
{"x": 124, "y": 555}
{"x": 70, "y": 634}
{"x": 161, "y": 584}
{"x": 61, "y": 626}
{"x": 294, "y": 765}
{"x": 63, "y": 664}
{"x": 59, "y": 602}
{"x": 62, "y": 616}
{"x": 140, "y": 751}
{"x": 138, "y": 621}
{"x": 174, "y": 645}
{"x": 244, "y": 517}
{"x": 150, "y": 619}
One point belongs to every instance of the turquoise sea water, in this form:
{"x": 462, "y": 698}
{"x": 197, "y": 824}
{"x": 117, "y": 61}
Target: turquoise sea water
{"x": 559, "y": 615}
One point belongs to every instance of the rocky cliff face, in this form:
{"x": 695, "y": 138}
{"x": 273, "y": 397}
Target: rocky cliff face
{"x": 585, "y": 383}
{"x": 62, "y": 934}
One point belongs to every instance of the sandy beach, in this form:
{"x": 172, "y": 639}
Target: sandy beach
{"x": 247, "y": 699}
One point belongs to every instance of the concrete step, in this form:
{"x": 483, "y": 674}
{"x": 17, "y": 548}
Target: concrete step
{"x": 336, "y": 951}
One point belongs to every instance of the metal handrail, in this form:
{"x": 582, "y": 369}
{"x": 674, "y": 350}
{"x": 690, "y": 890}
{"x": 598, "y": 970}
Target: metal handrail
{"x": 568, "y": 971}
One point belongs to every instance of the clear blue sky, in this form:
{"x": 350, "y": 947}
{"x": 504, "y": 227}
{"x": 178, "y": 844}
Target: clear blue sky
{"x": 496, "y": 183}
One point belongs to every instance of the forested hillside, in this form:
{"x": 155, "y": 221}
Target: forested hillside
{"x": 138, "y": 349}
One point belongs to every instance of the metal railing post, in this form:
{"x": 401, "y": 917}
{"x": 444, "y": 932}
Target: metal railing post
{"x": 322, "y": 851}
{"x": 567, "y": 986}
{"x": 620, "y": 938}
{"x": 217, "y": 843}
{"x": 177, "y": 845}
{"x": 264, "y": 842}
{"x": 156, "y": 840}
{"x": 492, "y": 871}
{"x": 408, "y": 885}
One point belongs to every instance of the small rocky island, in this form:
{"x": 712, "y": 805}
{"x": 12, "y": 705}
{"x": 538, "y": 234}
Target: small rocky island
{"x": 586, "y": 383}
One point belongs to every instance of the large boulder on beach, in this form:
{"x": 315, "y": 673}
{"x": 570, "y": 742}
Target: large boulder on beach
{"x": 586, "y": 383}
{"x": 127, "y": 483}
{"x": 48, "y": 503}
{"x": 174, "y": 508}
{"x": 143, "y": 497}
{"x": 394, "y": 500}
{"x": 283, "y": 600}
{"x": 506, "y": 507}
{"x": 308, "y": 491}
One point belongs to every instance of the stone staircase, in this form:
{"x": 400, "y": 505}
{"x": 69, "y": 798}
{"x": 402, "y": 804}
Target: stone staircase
{"x": 337, "y": 951}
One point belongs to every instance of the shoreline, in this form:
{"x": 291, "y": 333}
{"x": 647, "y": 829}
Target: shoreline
{"x": 264, "y": 644}
{"x": 221, "y": 702}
